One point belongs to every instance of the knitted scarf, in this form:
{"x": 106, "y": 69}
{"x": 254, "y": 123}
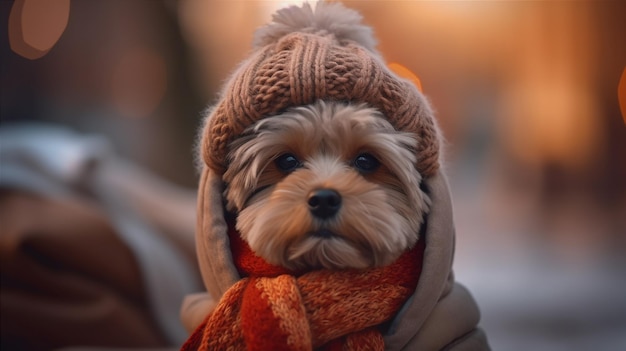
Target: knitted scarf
{"x": 272, "y": 308}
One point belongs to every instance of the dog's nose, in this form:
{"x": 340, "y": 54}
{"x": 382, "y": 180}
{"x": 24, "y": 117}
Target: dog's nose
{"x": 324, "y": 203}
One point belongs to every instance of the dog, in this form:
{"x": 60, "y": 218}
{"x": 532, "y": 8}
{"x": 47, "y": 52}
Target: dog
{"x": 326, "y": 185}
{"x": 324, "y": 218}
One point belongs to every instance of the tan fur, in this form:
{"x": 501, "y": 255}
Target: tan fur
{"x": 381, "y": 212}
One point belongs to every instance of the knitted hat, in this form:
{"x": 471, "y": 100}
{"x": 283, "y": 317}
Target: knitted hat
{"x": 307, "y": 55}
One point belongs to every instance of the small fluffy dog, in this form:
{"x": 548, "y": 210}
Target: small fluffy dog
{"x": 330, "y": 161}
{"x": 326, "y": 185}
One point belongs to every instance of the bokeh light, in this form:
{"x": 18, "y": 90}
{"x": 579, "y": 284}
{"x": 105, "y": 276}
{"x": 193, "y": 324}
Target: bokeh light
{"x": 35, "y": 26}
{"x": 405, "y": 73}
{"x": 621, "y": 94}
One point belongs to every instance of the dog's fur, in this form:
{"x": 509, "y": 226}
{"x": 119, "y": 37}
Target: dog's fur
{"x": 381, "y": 209}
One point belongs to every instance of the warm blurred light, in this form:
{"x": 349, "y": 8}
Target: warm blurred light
{"x": 551, "y": 111}
{"x": 406, "y": 73}
{"x": 271, "y": 6}
{"x": 621, "y": 94}
{"x": 220, "y": 33}
{"x": 552, "y": 122}
{"x": 138, "y": 82}
{"x": 35, "y": 26}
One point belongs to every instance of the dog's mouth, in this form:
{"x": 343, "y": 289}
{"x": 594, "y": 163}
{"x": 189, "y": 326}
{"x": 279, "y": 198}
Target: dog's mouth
{"x": 323, "y": 234}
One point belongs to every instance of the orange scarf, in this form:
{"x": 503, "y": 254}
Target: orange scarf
{"x": 272, "y": 308}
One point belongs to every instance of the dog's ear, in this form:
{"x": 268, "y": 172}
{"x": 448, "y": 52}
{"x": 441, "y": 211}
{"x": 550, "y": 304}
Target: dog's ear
{"x": 330, "y": 18}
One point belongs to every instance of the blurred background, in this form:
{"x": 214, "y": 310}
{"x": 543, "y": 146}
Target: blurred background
{"x": 527, "y": 94}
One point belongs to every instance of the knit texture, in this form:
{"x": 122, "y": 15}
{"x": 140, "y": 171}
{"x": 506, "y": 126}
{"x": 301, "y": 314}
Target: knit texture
{"x": 316, "y": 62}
{"x": 275, "y": 309}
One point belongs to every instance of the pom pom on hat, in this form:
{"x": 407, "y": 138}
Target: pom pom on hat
{"x": 332, "y": 18}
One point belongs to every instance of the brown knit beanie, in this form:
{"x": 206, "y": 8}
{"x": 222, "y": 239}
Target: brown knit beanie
{"x": 307, "y": 55}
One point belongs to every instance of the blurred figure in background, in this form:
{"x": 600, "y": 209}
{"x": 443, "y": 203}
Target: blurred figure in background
{"x": 95, "y": 250}
{"x": 97, "y": 206}
{"x": 527, "y": 97}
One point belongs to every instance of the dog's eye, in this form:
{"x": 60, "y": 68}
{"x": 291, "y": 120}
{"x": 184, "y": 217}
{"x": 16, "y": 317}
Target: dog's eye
{"x": 366, "y": 163}
{"x": 287, "y": 163}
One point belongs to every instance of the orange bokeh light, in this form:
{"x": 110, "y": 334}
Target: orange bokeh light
{"x": 621, "y": 94}
{"x": 405, "y": 73}
{"x": 35, "y": 26}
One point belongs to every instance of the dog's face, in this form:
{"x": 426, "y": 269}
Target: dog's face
{"x": 326, "y": 185}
